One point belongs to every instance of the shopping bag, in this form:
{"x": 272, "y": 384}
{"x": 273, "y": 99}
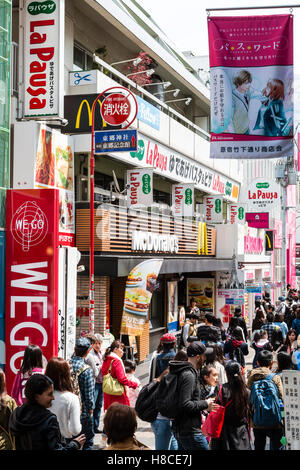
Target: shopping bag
{"x": 213, "y": 424}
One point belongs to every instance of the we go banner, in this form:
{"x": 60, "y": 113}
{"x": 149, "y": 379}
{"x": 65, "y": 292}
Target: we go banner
{"x": 252, "y": 86}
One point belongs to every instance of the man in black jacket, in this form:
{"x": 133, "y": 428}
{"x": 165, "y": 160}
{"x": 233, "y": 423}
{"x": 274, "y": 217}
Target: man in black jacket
{"x": 209, "y": 332}
{"x": 238, "y": 320}
{"x": 187, "y": 425}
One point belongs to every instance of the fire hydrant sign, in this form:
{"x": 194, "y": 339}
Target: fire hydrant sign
{"x": 43, "y": 58}
{"x": 115, "y": 109}
{"x": 140, "y": 188}
{"x": 31, "y": 275}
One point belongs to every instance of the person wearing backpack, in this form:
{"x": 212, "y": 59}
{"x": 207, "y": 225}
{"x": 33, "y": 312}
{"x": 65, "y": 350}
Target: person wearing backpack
{"x": 236, "y": 348}
{"x": 266, "y": 398}
{"x": 240, "y": 321}
{"x": 168, "y": 342}
{"x": 189, "y": 329}
{"x": 82, "y": 377}
{"x": 182, "y": 398}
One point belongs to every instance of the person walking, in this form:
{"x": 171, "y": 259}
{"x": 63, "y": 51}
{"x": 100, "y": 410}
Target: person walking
{"x": 296, "y": 321}
{"x": 211, "y": 359}
{"x": 234, "y": 393}
{"x": 270, "y": 326}
{"x": 240, "y": 321}
{"x": 258, "y": 321}
{"x": 275, "y": 431}
{"x": 260, "y": 342}
{"x": 290, "y": 345}
{"x": 189, "y": 328}
{"x": 279, "y": 321}
{"x": 66, "y": 405}
{"x": 33, "y": 425}
{"x": 209, "y": 332}
{"x": 86, "y": 383}
{"x": 162, "y": 426}
{"x": 95, "y": 360}
{"x": 32, "y": 364}
{"x": 235, "y": 348}
{"x": 114, "y": 365}
{"x": 130, "y": 368}
{"x": 187, "y": 423}
{"x": 284, "y": 362}
{"x": 7, "y": 406}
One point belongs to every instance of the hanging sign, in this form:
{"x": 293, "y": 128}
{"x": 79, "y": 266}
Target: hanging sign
{"x": 213, "y": 209}
{"x": 236, "y": 213}
{"x": 251, "y": 61}
{"x": 183, "y": 200}
{"x": 140, "y": 188}
{"x": 43, "y": 58}
{"x": 261, "y": 194}
{"x": 141, "y": 283}
{"x": 257, "y": 219}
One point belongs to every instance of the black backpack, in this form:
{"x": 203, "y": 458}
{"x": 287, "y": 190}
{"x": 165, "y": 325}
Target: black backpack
{"x": 167, "y": 396}
{"x": 145, "y": 405}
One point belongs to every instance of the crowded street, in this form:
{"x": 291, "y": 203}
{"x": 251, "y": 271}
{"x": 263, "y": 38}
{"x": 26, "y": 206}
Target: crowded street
{"x": 149, "y": 230}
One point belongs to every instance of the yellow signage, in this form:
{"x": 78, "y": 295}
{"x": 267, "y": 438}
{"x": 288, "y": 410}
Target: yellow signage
{"x": 89, "y": 110}
{"x": 202, "y": 239}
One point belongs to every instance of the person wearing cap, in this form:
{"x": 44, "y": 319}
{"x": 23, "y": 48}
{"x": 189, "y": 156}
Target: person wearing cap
{"x": 86, "y": 382}
{"x": 187, "y": 425}
{"x": 162, "y": 426}
{"x": 95, "y": 360}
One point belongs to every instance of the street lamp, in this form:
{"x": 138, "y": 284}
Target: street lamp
{"x": 186, "y": 100}
{"x": 176, "y": 92}
{"x": 136, "y": 61}
{"x": 165, "y": 84}
{"x": 148, "y": 72}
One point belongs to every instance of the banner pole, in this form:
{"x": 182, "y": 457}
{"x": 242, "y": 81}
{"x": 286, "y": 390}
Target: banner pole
{"x": 252, "y": 8}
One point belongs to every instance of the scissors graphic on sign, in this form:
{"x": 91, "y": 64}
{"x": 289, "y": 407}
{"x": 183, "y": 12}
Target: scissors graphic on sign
{"x": 81, "y": 78}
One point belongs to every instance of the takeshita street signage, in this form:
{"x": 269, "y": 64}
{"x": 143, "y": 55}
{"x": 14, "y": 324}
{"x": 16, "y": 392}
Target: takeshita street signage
{"x": 178, "y": 167}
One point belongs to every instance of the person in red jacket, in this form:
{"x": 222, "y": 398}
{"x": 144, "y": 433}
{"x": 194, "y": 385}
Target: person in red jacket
{"x": 113, "y": 355}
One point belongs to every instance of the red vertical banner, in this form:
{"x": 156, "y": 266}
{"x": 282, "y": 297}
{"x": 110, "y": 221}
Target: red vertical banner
{"x": 31, "y": 275}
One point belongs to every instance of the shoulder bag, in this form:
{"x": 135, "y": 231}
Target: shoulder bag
{"x": 110, "y": 385}
{"x": 213, "y": 424}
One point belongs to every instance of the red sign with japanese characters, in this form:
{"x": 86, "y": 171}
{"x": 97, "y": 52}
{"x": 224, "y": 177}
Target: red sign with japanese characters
{"x": 31, "y": 275}
{"x": 115, "y": 109}
{"x": 251, "y": 62}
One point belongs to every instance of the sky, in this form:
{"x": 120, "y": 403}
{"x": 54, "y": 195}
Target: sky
{"x": 185, "y": 22}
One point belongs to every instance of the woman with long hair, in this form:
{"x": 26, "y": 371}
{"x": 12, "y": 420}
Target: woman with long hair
{"x": 235, "y": 430}
{"x": 66, "y": 404}
{"x": 32, "y": 364}
{"x": 290, "y": 344}
{"x": 258, "y": 322}
{"x": 7, "y": 406}
{"x": 113, "y": 364}
{"x": 284, "y": 362}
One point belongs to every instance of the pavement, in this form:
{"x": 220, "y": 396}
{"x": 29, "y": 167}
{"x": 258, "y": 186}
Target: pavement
{"x": 144, "y": 432}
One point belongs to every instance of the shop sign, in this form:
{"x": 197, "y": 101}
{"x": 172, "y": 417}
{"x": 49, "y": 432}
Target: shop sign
{"x": 148, "y": 113}
{"x": 183, "y": 200}
{"x": 213, "y": 209}
{"x": 154, "y": 242}
{"x": 257, "y": 219}
{"x": 115, "y": 141}
{"x": 236, "y": 213}
{"x": 253, "y": 244}
{"x": 176, "y": 166}
{"x": 140, "y": 188}
{"x": 86, "y": 77}
{"x": 141, "y": 283}
{"x": 269, "y": 239}
{"x": 277, "y": 233}
{"x": 43, "y": 58}
{"x": 31, "y": 275}
{"x": 262, "y": 195}
{"x": 249, "y": 275}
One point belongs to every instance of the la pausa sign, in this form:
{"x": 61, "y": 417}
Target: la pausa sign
{"x": 262, "y": 193}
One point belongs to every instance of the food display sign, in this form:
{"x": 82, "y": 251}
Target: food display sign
{"x": 141, "y": 283}
{"x": 172, "y": 306}
{"x": 202, "y": 291}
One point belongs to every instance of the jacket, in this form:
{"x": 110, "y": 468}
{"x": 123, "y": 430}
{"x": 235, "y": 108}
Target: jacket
{"x": 162, "y": 361}
{"x": 240, "y": 322}
{"x": 296, "y": 325}
{"x": 261, "y": 373}
{"x": 231, "y": 347}
{"x": 7, "y": 441}
{"x": 36, "y": 428}
{"x": 86, "y": 382}
{"x": 209, "y": 333}
{"x": 240, "y": 116}
{"x": 18, "y": 388}
{"x": 260, "y": 346}
{"x": 189, "y": 419}
{"x": 117, "y": 372}
{"x": 129, "y": 444}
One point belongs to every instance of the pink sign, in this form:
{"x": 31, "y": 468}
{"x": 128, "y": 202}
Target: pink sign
{"x": 258, "y": 219}
{"x": 277, "y": 233}
{"x": 250, "y": 58}
{"x": 253, "y": 245}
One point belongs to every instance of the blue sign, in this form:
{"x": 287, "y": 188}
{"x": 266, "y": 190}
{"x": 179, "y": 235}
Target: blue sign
{"x": 234, "y": 301}
{"x": 253, "y": 290}
{"x": 116, "y": 141}
{"x": 148, "y": 113}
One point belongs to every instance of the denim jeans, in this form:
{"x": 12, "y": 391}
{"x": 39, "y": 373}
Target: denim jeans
{"x": 98, "y": 399}
{"x": 192, "y": 441}
{"x": 164, "y": 437}
{"x": 260, "y": 436}
{"x": 87, "y": 429}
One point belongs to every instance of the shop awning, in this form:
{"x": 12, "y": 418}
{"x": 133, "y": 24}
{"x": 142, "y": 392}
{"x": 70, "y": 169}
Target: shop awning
{"x": 121, "y": 266}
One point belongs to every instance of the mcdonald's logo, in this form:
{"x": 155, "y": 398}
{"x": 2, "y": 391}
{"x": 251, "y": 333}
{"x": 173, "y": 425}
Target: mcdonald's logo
{"x": 78, "y": 112}
{"x": 269, "y": 240}
{"x": 202, "y": 239}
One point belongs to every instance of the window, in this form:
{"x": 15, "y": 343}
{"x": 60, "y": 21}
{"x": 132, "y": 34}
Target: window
{"x": 82, "y": 59}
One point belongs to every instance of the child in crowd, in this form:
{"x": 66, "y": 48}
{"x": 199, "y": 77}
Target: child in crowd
{"x": 260, "y": 342}
{"x": 130, "y": 368}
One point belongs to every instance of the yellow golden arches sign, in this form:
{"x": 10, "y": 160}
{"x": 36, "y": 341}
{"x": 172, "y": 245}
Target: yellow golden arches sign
{"x": 202, "y": 239}
{"x": 89, "y": 110}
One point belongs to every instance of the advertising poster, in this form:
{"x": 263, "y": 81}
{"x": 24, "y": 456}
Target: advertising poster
{"x": 140, "y": 190}
{"x": 31, "y": 275}
{"x": 172, "y": 306}
{"x": 227, "y": 299}
{"x": 141, "y": 283}
{"x": 291, "y": 390}
{"x": 202, "y": 291}
{"x": 251, "y": 65}
{"x": 183, "y": 200}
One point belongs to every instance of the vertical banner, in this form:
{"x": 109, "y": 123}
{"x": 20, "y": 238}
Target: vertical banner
{"x": 251, "y": 64}
{"x": 236, "y": 213}
{"x": 140, "y": 190}
{"x": 2, "y": 298}
{"x": 183, "y": 200}
{"x": 31, "y": 275}
{"x": 141, "y": 282}
{"x": 172, "y": 306}
{"x": 43, "y": 55}
{"x": 213, "y": 209}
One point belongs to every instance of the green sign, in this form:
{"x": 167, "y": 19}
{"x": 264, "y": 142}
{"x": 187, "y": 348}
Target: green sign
{"x": 228, "y": 189}
{"x": 218, "y": 206}
{"x": 46, "y": 8}
{"x": 241, "y": 213}
{"x": 139, "y": 154}
{"x": 146, "y": 184}
{"x": 262, "y": 185}
{"x": 188, "y": 196}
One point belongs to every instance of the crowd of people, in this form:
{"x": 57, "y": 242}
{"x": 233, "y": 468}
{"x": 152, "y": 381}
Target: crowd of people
{"x": 194, "y": 384}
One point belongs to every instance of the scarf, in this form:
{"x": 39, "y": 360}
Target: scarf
{"x": 115, "y": 356}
